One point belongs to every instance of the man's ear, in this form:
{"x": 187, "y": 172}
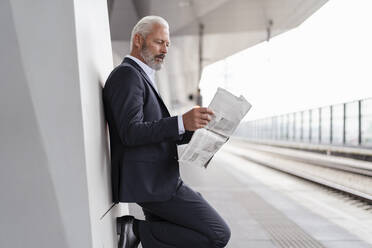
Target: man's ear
{"x": 138, "y": 40}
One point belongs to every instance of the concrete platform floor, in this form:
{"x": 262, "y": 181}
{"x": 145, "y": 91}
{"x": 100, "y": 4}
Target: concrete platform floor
{"x": 265, "y": 209}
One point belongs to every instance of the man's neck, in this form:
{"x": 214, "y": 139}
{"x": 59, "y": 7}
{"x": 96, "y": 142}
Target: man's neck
{"x": 137, "y": 55}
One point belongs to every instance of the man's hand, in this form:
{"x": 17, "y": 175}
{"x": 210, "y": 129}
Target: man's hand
{"x": 196, "y": 118}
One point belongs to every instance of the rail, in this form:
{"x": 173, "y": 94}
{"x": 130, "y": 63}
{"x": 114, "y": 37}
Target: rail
{"x": 343, "y": 174}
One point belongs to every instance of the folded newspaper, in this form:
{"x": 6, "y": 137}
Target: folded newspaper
{"x": 228, "y": 111}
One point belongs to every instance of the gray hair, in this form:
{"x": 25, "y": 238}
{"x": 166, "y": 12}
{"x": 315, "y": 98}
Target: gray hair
{"x": 143, "y": 27}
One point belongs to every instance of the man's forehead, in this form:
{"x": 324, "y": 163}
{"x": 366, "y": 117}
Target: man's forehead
{"x": 157, "y": 27}
{"x": 159, "y": 30}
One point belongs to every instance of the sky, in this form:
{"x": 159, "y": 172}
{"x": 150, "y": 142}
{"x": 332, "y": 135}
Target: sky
{"x": 326, "y": 60}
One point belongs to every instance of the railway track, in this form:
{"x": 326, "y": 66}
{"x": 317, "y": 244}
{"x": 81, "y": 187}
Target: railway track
{"x": 349, "y": 176}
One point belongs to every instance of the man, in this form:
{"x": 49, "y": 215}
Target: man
{"x": 143, "y": 140}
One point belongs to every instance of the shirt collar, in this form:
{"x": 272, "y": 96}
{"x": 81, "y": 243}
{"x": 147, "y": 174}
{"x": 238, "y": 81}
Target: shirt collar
{"x": 147, "y": 69}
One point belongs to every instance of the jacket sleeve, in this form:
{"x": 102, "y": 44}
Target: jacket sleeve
{"x": 186, "y": 137}
{"x": 125, "y": 100}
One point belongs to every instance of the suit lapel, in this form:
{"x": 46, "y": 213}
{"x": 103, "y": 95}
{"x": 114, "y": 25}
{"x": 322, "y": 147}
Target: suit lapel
{"x": 148, "y": 81}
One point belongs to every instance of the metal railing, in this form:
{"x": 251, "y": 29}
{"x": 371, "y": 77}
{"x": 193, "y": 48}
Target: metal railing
{"x": 348, "y": 124}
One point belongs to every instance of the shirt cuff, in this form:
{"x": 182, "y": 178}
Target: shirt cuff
{"x": 181, "y": 128}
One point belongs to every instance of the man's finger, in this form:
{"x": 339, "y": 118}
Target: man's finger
{"x": 199, "y": 126}
{"x": 205, "y": 117}
{"x": 205, "y": 110}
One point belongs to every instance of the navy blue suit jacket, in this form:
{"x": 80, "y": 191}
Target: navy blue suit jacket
{"x": 143, "y": 137}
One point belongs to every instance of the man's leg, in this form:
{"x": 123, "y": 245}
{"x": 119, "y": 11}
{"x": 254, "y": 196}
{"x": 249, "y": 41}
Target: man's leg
{"x": 186, "y": 220}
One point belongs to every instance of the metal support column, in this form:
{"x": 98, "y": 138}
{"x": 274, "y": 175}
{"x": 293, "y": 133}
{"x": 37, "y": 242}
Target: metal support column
{"x": 331, "y": 125}
{"x": 359, "y": 122}
{"x": 320, "y": 126}
{"x": 344, "y": 125}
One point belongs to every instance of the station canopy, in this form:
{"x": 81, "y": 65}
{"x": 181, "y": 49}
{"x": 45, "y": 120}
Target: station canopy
{"x": 205, "y": 31}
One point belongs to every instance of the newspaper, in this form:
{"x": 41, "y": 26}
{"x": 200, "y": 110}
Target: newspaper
{"x": 228, "y": 111}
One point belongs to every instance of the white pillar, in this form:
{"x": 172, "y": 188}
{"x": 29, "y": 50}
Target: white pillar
{"x": 54, "y": 165}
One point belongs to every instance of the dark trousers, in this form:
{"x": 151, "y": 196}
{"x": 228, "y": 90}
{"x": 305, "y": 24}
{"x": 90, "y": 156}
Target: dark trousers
{"x": 186, "y": 220}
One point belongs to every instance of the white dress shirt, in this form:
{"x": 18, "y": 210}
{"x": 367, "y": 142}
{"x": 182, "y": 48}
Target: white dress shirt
{"x": 151, "y": 74}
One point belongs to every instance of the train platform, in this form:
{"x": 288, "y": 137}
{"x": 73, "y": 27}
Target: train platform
{"x": 267, "y": 208}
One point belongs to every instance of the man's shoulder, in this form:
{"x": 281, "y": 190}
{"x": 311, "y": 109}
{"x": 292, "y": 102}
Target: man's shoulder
{"x": 122, "y": 72}
{"x": 123, "y": 69}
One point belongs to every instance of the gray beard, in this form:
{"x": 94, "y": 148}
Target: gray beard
{"x": 150, "y": 59}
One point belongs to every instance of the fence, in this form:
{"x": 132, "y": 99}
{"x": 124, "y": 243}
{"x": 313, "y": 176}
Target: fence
{"x": 348, "y": 124}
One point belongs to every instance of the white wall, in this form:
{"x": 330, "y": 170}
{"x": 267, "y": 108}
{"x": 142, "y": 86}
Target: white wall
{"x": 54, "y": 171}
{"x": 95, "y": 64}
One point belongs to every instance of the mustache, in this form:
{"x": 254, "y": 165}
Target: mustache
{"x": 160, "y": 56}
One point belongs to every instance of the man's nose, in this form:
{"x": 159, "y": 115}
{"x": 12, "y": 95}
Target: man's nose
{"x": 164, "y": 49}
